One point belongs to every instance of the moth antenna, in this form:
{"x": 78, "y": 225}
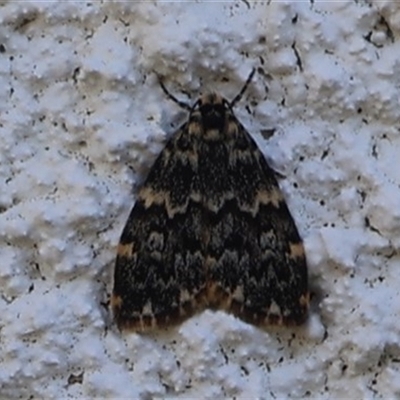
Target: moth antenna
{"x": 181, "y": 104}
{"x": 240, "y": 94}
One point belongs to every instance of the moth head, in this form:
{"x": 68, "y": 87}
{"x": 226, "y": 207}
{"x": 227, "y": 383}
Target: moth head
{"x": 213, "y": 109}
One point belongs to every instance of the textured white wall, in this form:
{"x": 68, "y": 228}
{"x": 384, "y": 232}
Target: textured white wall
{"x": 82, "y": 118}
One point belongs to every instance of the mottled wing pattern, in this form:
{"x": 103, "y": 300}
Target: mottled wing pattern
{"x": 210, "y": 227}
{"x": 257, "y": 266}
{"x": 159, "y": 273}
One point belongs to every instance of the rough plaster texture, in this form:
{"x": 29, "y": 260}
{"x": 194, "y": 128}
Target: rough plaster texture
{"x": 81, "y": 120}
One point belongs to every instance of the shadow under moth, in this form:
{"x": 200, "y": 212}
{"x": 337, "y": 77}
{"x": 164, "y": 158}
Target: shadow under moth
{"x": 210, "y": 229}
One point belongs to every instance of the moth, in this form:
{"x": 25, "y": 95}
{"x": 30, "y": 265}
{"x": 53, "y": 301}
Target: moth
{"x": 210, "y": 229}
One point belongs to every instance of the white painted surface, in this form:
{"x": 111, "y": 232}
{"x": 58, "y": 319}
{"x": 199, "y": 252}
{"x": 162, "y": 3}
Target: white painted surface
{"x": 82, "y": 118}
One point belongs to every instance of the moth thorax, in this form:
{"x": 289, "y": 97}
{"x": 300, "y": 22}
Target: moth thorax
{"x": 213, "y": 111}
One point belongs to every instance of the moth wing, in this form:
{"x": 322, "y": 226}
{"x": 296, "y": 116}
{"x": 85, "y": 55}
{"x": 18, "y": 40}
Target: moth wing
{"x": 159, "y": 273}
{"x": 256, "y": 260}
